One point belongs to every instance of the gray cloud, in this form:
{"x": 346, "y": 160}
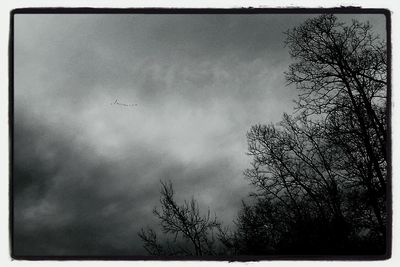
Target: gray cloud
{"x": 70, "y": 201}
{"x": 86, "y": 172}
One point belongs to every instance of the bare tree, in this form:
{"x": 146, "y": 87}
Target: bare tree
{"x": 192, "y": 233}
{"x": 295, "y": 167}
{"x": 341, "y": 72}
{"x": 323, "y": 172}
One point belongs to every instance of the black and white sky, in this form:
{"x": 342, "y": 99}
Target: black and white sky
{"x": 87, "y": 172}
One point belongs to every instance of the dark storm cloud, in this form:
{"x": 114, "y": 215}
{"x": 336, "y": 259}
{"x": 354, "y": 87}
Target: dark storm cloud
{"x": 86, "y": 172}
{"x": 70, "y": 201}
{"x": 65, "y": 201}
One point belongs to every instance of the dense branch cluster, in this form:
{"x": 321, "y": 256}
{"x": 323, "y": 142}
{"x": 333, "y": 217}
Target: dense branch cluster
{"x": 325, "y": 169}
{"x": 181, "y": 221}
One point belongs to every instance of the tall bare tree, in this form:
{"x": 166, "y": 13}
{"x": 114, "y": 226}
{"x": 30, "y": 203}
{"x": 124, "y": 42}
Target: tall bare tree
{"x": 324, "y": 170}
{"x": 341, "y": 72}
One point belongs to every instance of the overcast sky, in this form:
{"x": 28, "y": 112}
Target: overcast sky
{"x": 87, "y": 172}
